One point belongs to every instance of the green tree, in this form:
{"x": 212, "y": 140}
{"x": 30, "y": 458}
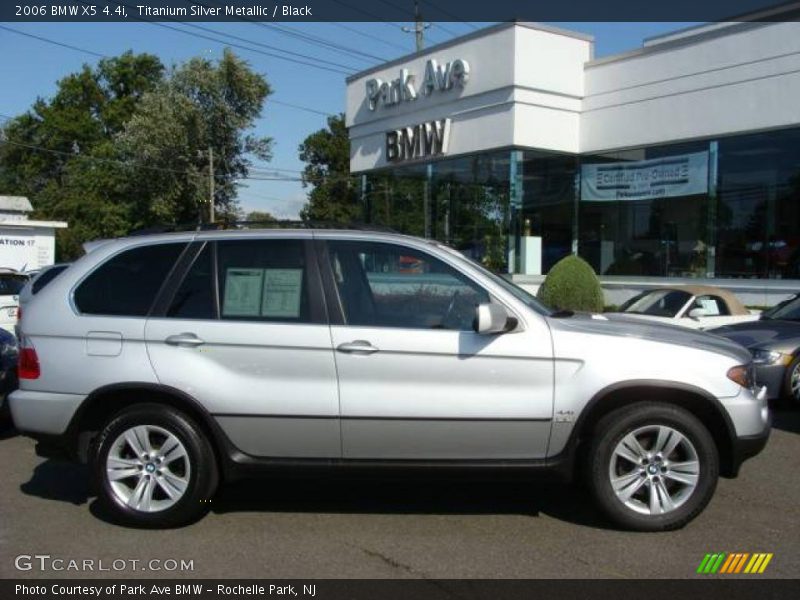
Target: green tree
{"x": 124, "y": 145}
{"x": 572, "y": 285}
{"x": 259, "y": 216}
{"x": 61, "y": 152}
{"x": 201, "y": 106}
{"x": 333, "y": 195}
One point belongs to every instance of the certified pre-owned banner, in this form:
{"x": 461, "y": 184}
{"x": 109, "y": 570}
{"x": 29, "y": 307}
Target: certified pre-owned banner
{"x": 682, "y": 175}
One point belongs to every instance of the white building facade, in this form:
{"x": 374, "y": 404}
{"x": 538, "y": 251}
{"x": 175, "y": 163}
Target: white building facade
{"x": 680, "y": 159}
{"x": 25, "y": 245}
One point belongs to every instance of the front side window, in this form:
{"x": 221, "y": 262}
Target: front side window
{"x": 384, "y": 285}
{"x": 127, "y": 284}
{"x": 263, "y": 280}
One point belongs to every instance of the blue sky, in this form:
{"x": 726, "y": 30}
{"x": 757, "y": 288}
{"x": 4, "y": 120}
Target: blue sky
{"x": 29, "y": 68}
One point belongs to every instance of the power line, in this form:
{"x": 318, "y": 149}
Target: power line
{"x": 54, "y": 42}
{"x": 246, "y": 48}
{"x": 137, "y": 164}
{"x": 99, "y": 55}
{"x": 298, "y": 107}
{"x": 307, "y": 38}
{"x": 369, "y": 36}
{"x": 226, "y": 43}
{"x": 241, "y": 39}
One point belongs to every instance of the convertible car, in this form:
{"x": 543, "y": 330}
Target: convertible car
{"x": 694, "y": 306}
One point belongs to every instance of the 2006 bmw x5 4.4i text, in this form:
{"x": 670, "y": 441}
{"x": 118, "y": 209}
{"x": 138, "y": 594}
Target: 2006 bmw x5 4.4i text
{"x": 172, "y": 362}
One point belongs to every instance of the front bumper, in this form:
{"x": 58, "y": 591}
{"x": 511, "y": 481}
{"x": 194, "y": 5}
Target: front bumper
{"x": 747, "y": 442}
{"x": 772, "y": 377}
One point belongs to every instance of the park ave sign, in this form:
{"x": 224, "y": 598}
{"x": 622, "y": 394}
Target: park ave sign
{"x": 403, "y": 89}
{"x": 418, "y": 141}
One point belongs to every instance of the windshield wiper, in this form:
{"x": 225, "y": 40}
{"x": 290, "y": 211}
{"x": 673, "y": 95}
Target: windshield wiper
{"x": 560, "y": 314}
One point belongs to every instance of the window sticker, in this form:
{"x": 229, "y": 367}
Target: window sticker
{"x": 243, "y": 289}
{"x": 281, "y": 294}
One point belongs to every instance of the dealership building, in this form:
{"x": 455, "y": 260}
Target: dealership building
{"x": 679, "y": 159}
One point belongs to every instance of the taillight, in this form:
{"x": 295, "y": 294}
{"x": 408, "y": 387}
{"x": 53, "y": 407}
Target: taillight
{"x": 19, "y": 314}
{"x": 28, "y": 367}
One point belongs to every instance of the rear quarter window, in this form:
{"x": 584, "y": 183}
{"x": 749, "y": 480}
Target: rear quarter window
{"x": 46, "y": 277}
{"x": 127, "y": 284}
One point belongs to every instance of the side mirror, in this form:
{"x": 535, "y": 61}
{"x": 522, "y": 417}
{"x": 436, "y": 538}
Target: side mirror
{"x": 493, "y": 318}
{"x": 696, "y": 313}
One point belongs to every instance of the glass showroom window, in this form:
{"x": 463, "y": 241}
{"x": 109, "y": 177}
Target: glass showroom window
{"x": 625, "y": 232}
{"x": 462, "y": 202}
{"x": 758, "y": 214}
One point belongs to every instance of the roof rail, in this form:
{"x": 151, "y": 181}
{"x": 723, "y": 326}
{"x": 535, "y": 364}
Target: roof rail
{"x": 274, "y": 224}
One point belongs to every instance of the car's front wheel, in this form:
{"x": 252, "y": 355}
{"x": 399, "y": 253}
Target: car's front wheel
{"x": 154, "y": 467}
{"x": 653, "y": 466}
{"x": 792, "y": 383}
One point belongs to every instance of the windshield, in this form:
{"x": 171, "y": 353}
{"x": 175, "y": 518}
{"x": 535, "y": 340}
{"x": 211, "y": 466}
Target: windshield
{"x": 657, "y": 303}
{"x": 788, "y": 310}
{"x": 513, "y": 289}
{"x": 11, "y": 284}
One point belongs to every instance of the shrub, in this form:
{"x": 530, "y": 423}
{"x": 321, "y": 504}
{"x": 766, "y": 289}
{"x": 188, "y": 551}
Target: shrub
{"x": 572, "y": 285}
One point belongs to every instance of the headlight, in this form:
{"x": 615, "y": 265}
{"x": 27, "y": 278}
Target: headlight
{"x": 770, "y": 357}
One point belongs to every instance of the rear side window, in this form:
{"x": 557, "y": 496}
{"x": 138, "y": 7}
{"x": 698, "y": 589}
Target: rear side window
{"x": 127, "y": 284}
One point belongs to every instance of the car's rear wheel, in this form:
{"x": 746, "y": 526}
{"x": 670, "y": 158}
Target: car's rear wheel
{"x": 792, "y": 382}
{"x": 154, "y": 467}
{"x": 653, "y": 466}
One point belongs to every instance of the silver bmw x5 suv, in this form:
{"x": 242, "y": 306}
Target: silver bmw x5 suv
{"x": 174, "y": 362}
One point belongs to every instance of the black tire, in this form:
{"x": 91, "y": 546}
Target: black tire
{"x": 202, "y": 479}
{"x": 787, "y": 382}
{"x": 611, "y": 430}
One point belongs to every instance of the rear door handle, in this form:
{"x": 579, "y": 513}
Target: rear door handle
{"x": 357, "y": 347}
{"x": 184, "y": 339}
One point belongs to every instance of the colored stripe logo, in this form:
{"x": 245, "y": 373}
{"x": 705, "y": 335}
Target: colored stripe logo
{"x": 731, "y": 563}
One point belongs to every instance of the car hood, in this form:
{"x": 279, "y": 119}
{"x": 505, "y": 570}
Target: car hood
{"x": 617, "y": 324}
{"x": 766, "y": 333}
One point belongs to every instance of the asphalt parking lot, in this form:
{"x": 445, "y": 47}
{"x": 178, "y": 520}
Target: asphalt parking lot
{"x": 418, "y": 529}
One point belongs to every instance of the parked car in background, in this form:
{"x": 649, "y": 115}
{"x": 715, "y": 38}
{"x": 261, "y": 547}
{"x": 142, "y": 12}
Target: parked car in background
{"x": 774, "y": 342}
{"x": 8, "y": 372}
{"x": 11, "y": 283}
{"x": 693, "y": 306}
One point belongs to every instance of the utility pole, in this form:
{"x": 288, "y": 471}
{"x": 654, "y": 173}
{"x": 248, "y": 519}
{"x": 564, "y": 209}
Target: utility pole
{"x": 419, "y": 27}
{"x": 210, "y": 184}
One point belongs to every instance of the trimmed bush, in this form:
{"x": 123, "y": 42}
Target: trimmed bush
{"x": 572, "y": 285}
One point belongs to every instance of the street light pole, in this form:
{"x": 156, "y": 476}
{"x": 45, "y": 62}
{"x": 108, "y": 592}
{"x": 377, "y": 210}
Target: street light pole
{"x": 419, "y": 28}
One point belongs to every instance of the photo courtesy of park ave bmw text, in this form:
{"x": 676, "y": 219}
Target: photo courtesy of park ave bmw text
{"x": 399, "y": 298}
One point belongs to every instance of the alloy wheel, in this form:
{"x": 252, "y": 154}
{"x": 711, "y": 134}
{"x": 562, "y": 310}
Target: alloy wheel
{"x": 654, "y": 469}
{"x": 794, "y": 382}
{"x": 148, "y": 468}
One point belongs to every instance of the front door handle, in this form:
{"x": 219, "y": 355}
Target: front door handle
{"x": 184, "y": 339}
{"x": 357, "y": 347}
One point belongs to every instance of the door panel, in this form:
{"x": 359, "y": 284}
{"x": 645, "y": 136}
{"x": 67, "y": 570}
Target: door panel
{"x": 254, "y": 349}
{"x": 428, "y": 387}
